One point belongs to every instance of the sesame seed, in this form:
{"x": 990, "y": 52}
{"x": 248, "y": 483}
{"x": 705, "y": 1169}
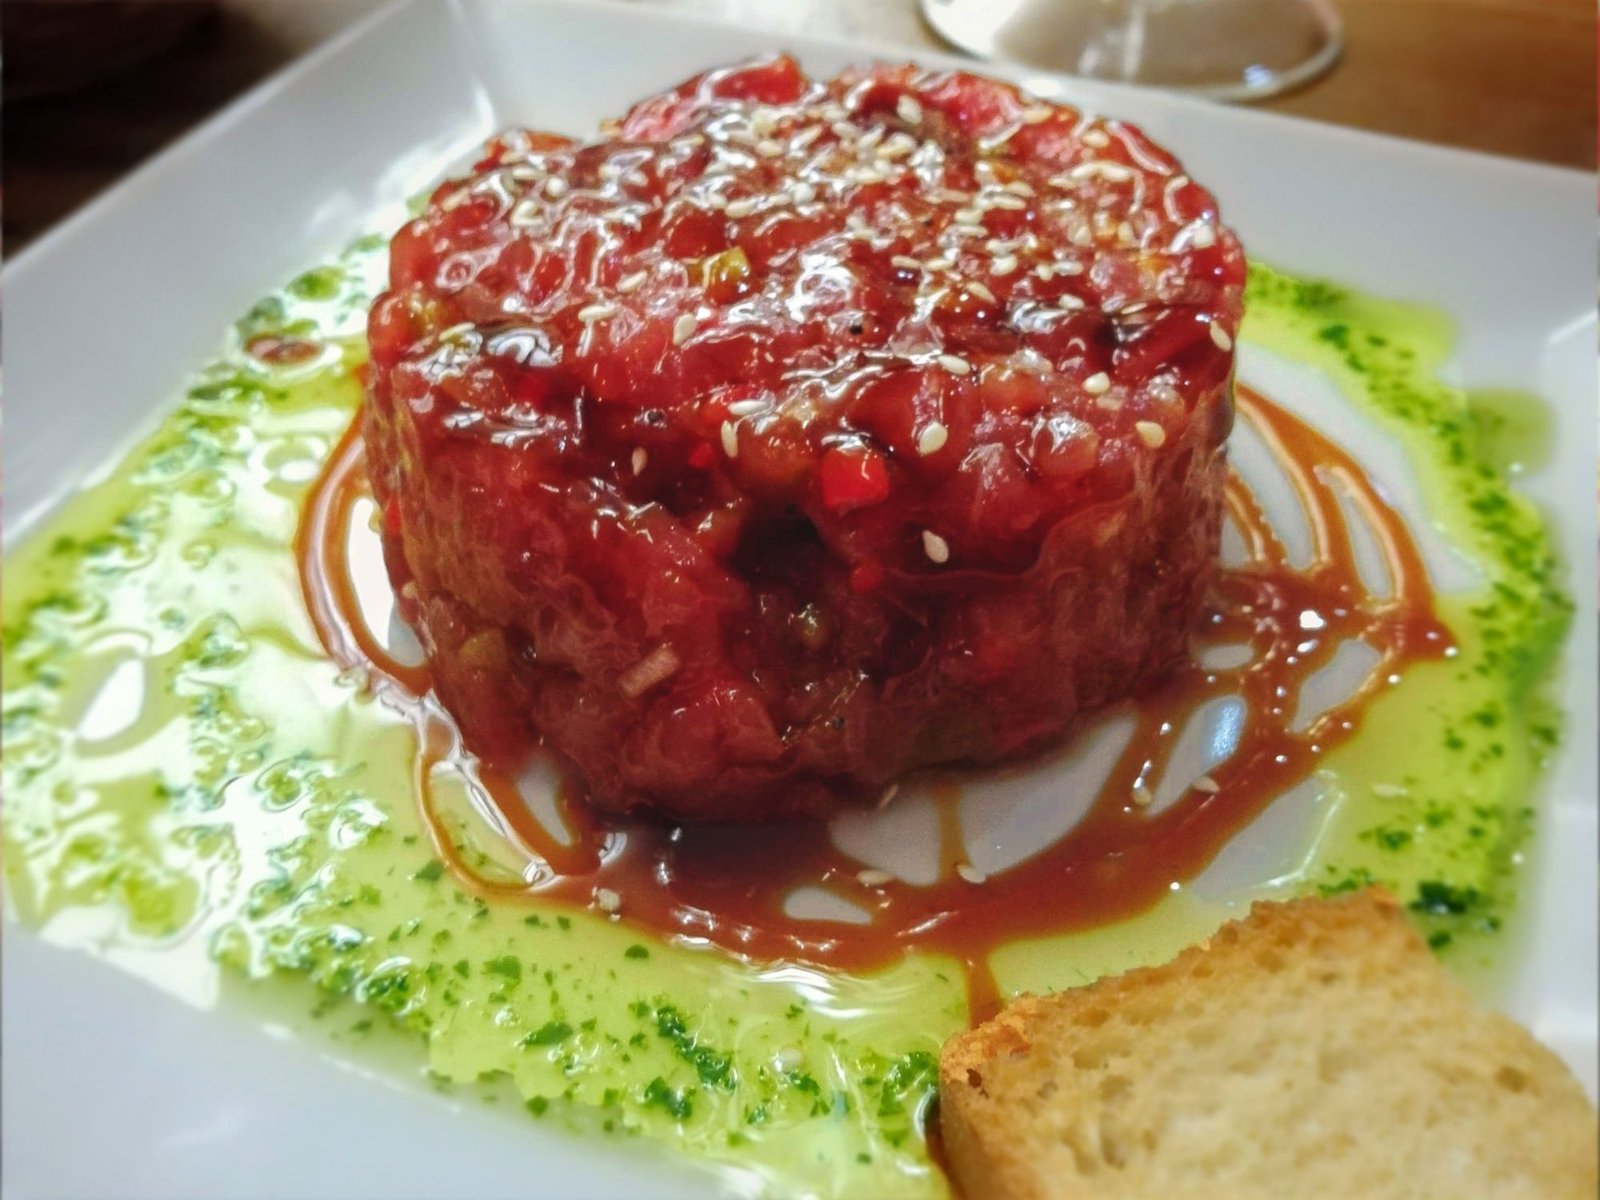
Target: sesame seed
{"x": 1125, "y": 234}
{"x": 1035, "y": 113}
{"x": 596, "y": 312}
{"x": 741, "y": 208}
{"x": 1203, "y": 237}
{"x": 730, "y": 439}
{"x": 1221, "y": 337}
{"x": 805, "y": 137}
{"x": 906, "y": 262}
{"x": 455, "y": 331}
{"x": 641, "y": 458}
{"x": 935, "y": 547}
{"x": 1045, "y": 272}
{"x": 636, "y": 178}
{"x": 949, "y": 196}
{"x": 1097, "y": 384}
{"x": 871, "y": 138}
{"x": 683, "y": 327}
{"x": 845, "y": 131}
{"x": 939, "y": 264}
{"x": 872, "y": 877}
{"x": 968, "y": 216}
{"x": 866, "y": 175}
{"x": 631, "y": 283}
{"x": 971, "y": 874}
{"x": 1096, "y": 138}
{"x": 527, "y": 174}
{"x": 525, "y": 212}
{"x": 1005, "y": 200}
{"x": 609, "y": 171}
{"x": 768, "y": 148}
{"x": 1004, "y": 264}
{"x": 1142, "y": 796}
{"x": 932, "y": 438}
{"x": 897, "y": 146}
{"x": 1019, "y": 187}
{"x": 803, "y": 192}
{"x": 980, "y": 291}
{"x": 1150, "y": 433}
{"x": 716, "y": 200}
{"x": 1207, "y": 785}
{"x": 746, "y": 408}
{"x": 607, "y": 900}
{"x": 555, "y": 186}
{"x": 955, "y": 364}
{"x": 1109, "y": 171}
{"x": 909, "y": 110}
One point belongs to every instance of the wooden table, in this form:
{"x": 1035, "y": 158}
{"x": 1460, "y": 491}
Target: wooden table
{"x": 1513, "y": 77}
{"x": 1510, "y": 77}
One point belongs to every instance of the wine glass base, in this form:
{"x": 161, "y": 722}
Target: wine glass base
{"x": 1219, "y": 49}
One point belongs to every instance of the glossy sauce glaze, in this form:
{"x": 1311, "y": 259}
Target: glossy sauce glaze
{"x": 727, "y": 884}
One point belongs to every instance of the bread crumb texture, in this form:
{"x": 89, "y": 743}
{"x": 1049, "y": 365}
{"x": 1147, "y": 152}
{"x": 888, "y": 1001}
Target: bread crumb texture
{"x": 1313, "y": 1050}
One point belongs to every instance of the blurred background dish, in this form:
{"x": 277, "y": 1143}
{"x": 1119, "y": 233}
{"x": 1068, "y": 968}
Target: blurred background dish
{"x": 1222, "y": 49}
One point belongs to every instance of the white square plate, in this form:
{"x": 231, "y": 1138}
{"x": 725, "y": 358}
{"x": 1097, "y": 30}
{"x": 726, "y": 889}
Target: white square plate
{"x": 112, "y": 1087}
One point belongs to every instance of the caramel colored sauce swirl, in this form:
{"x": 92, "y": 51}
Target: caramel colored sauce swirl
{"x": 727, "y": 885}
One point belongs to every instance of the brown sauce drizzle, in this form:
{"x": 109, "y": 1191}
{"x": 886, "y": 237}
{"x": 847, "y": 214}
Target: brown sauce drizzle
{"x": 727, "y": 885}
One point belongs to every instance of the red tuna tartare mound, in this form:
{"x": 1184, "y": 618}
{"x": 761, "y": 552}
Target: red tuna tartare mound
{"x": 797, "y": 434}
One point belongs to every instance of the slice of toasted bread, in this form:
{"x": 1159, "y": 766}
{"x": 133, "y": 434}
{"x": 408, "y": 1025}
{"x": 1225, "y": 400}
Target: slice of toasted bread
{"x": 1313, "y": 1051}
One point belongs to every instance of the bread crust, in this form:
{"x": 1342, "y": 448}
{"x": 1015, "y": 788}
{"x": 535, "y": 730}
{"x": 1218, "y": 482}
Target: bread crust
{"x": 1072, "y": 1095}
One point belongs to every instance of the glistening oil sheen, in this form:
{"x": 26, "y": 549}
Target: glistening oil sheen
{"x": 194, "y": 791}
